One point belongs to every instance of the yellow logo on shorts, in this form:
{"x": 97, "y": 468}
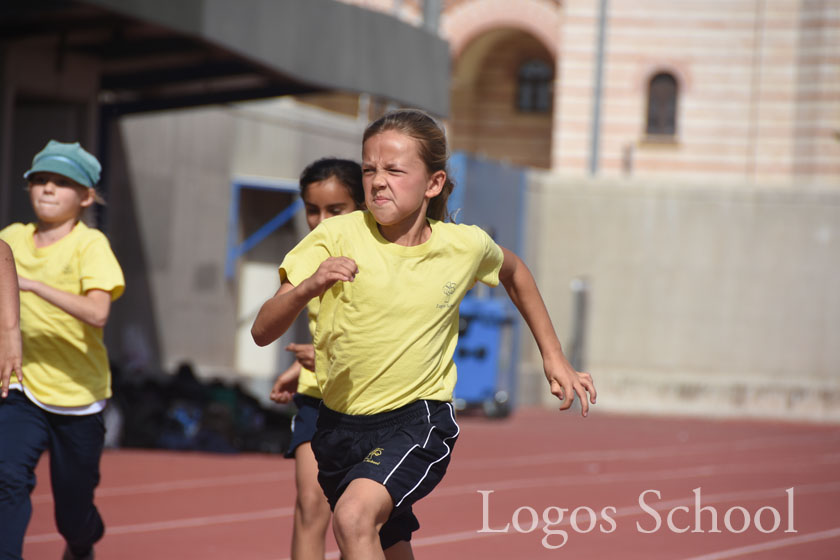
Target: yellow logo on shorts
{"x": 373, "y": 454}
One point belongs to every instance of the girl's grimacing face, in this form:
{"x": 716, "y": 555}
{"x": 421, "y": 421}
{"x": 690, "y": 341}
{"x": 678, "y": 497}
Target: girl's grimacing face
{"x": 56, "y": 198}
{"x": 325, "y": 199}
{"x": 395, "y": 178}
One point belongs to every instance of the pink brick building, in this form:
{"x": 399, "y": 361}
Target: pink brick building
{"x": 740, "y": 91}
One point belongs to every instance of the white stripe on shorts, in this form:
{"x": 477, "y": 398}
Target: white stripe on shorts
{"x": 429, "y": 467}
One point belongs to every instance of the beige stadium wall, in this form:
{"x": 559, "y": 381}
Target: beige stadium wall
{"x": 705, "y": 300}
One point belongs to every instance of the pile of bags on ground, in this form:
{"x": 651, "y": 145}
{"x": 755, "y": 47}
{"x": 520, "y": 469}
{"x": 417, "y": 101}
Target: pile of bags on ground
{"x": 180, "y": 412}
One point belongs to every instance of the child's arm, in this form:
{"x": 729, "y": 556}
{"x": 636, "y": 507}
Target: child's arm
{"x": 304, "y": 354}
{"x": 562, "y": 377}
{"x": 92, "y": 308}
{"x": 10, "y": 346}
{"x": 278, "y": 313}
{"x": 286, "y": 384}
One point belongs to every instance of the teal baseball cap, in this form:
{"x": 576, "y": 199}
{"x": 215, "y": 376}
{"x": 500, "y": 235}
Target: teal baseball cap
{"x": 68, "y": 159}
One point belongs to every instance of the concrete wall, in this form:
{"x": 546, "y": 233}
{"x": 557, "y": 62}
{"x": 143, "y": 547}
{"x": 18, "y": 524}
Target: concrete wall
{"x": 709, "y": 299}
{"x": 169, "y": 224}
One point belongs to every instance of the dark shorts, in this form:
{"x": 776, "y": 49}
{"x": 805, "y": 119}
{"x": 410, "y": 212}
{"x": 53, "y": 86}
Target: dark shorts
{"x": 303, "y": 424}
{"x": 406, "y": 450}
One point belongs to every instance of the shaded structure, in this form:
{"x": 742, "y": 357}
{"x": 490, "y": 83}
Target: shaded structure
{"x": 67, "y": 66}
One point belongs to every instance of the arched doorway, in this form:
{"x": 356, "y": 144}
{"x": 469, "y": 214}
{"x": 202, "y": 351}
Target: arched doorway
{"x": 502, "y": 98}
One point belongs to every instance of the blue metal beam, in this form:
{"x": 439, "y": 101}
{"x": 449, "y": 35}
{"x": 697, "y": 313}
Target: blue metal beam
{"x": 236, "y": 250}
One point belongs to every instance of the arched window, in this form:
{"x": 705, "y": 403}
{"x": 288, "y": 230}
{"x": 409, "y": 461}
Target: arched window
{"x": 662, "y": 105}
{"x": 533, "y": 87}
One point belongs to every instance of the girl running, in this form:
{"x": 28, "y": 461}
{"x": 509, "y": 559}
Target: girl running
{"x": 390, "y": 281}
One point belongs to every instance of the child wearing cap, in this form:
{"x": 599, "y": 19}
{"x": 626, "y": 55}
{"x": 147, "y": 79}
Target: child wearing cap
{"x": 68, "y": 277}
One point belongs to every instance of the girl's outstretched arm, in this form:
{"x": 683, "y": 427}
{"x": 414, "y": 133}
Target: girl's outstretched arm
{"x": 278, "y": 313}
{"x": 564, "y": 381}
{"x": 10, "y": 347}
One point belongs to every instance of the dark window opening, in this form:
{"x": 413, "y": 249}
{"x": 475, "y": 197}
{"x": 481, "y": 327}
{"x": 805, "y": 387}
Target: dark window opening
{"x": 662, "y": 105}
{"x": 534, "y": 87}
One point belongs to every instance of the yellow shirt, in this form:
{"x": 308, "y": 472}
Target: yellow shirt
{"x": 64, "y": 359}
{"x": 307, "y": 384}
{"x": 387, "y": 338}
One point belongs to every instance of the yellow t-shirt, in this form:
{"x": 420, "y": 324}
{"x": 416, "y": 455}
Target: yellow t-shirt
{"x": 307, "y": 384}
{"x": 64, "y": 359}
{"x": 387, "y": 338}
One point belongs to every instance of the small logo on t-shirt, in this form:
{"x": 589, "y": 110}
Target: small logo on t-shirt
{"x": 371, "y": 457}
{"x": 448, "y": 290}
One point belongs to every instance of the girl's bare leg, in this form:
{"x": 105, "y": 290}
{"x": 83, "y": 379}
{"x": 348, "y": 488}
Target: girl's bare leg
{"x": 312, "y": 511}
{"x": 359, "y": 514}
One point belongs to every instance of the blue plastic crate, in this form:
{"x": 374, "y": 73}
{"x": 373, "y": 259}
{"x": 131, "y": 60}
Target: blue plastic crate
{"x": 481, "y": 382}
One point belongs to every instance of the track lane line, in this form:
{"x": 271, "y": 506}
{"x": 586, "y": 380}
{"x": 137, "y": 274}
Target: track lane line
{"x": 710, "y": 470}
{"x": 183, "y": 484}
{"x": 676, "y": 450}
{"x": 172, "y": 524}
{"x": 771, "y": 545}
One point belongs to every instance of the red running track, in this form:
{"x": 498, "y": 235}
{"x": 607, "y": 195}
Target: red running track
{"x": 771, "y": 490}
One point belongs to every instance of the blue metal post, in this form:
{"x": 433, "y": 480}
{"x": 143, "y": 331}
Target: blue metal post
{"x": 236, "y": 250}
{"x": 233, "y": 230}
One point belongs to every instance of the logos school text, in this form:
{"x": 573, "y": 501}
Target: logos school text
{"x": 691, "y": 516}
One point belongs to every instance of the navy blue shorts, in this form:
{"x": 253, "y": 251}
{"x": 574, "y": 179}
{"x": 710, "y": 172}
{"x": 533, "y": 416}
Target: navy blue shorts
{"x": 303, "y": 424}
{"x": 406, "y": 450}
